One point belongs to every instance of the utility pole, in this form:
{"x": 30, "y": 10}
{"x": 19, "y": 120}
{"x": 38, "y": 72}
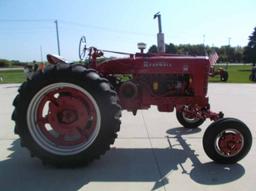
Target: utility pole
{"x": 57, "y": 32}
{"x": 205, "y": 52}
{"x": 41, "y": 52}
{"x": 227, "y": 52}
{"x": 229, "y": 39}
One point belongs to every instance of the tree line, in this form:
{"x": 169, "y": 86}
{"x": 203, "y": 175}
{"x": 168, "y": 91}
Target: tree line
{"x": 9, "y": 63}
{"x": 228, "y": 53}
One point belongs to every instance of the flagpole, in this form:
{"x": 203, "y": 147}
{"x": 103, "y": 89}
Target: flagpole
{"x": 205, "y": 52}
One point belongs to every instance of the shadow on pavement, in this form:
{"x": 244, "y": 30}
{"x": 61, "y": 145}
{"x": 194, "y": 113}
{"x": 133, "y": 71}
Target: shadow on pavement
{"x": 20, "y": 172}
{"x": 206, "y": 173}
{"x": 13, "y": 86}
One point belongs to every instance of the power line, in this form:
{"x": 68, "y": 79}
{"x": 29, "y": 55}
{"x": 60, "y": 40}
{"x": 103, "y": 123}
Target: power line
{"x": 105, "y": 28}
{"x": 77, "y": 24}
{"x": 16, "y": 30}
{"x": 26, "y": 20}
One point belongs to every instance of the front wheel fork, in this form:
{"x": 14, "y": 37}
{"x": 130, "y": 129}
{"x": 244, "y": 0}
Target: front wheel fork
{"x": 198, "y": 112}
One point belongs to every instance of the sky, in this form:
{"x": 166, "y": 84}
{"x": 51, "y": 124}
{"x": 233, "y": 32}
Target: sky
{"x": 26, "y": 26}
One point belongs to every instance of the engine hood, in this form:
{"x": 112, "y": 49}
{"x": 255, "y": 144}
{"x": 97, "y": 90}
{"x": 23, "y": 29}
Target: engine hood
{"x": 154, "y": 64}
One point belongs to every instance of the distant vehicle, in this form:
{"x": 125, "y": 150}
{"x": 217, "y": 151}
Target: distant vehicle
{"x": 28, "y": 71}
{"x": 252, "y": 76}
{"x": 215, "y": 71}
{"x": 31, "y": 69}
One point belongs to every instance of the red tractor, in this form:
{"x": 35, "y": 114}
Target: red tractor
{"x": 214, "y": 70}
{"x": 69, "y": 114}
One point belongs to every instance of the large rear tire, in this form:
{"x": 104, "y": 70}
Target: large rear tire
{"x": 227, "y": 140}
{"x": 67, "y": 115}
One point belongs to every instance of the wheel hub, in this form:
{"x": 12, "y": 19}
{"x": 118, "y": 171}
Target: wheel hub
{"x": 67, "y": 117}
{"x": 230, "y": 144}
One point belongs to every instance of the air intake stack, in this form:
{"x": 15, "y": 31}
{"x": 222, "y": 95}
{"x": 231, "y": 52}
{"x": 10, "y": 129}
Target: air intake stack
{"x": 160, "y": 35}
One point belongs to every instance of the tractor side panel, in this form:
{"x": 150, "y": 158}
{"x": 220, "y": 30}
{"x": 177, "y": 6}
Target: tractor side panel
{"x": 198, "y": 69}
{"x": 165, "y": 73}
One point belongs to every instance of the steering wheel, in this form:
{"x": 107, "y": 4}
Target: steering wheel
{"x": 82, "y": 48}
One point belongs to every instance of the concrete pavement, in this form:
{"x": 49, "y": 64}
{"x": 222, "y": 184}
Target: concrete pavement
{"x": 152, "y": 152}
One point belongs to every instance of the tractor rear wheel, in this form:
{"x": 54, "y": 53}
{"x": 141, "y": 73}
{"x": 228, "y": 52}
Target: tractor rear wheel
{"x": 67, "y": 115}
{"x": 227, "y": 140}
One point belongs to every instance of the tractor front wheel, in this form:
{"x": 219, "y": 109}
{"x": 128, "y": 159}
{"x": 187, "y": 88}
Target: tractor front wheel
{"x": 67, "y": 115}
{"x": 227, "y": 140}
{"x": 187, "y": 120}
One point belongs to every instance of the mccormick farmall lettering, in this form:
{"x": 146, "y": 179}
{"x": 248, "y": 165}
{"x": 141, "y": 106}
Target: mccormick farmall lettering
{"x": 156, "y": 65}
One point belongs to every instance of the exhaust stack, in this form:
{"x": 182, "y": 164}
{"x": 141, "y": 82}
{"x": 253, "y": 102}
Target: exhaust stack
{"x": 160, "y": 35}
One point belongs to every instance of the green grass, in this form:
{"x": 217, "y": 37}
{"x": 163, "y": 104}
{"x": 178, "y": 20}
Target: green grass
{"x": 237, "y": 74}
{"x": 12, "y": 76}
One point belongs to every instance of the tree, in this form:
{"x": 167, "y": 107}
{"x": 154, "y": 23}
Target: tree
{"x": 152, "y": 49}
{"x": 238, "y": 57}
{"x": 194, "y": 50}
{"x": 226, "y": 53}
{"x": 4, "y": 63}
{"x": 171, "y": 48}
{"x": 250, "y": 49}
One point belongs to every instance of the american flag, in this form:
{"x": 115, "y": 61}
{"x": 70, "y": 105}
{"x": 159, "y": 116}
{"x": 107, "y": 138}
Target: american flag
{"x": 213, "y": 58}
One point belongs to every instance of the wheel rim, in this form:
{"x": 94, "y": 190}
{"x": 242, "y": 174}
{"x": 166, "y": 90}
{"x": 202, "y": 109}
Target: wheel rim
{"x": 189, "y": 119}
{"x": 63, "y": 118}
{"x": 229, "y": 142}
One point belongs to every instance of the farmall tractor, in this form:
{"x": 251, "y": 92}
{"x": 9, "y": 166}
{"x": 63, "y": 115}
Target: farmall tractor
{"x": 218, "y": 71}
{"x": 69, "y": 114}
